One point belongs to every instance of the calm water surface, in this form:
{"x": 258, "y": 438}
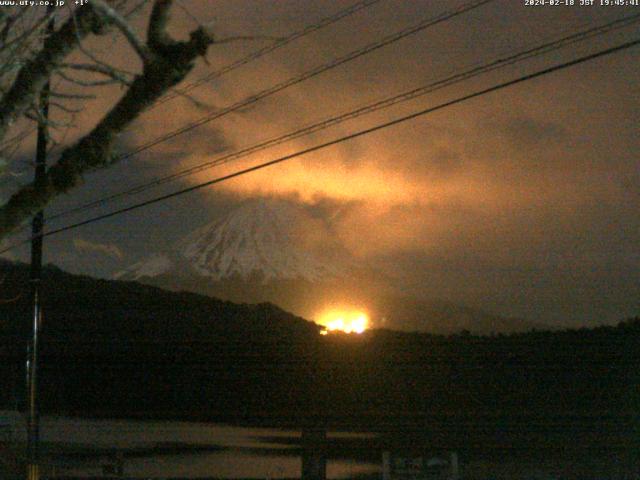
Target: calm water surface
{"x": 245, "y": 453}
{"x": 157, "y": 449}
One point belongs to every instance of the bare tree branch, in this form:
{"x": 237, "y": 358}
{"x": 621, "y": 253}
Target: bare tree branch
{"x": 58, "y": 143}
{"x": 107, "y": 70}
{"x": 129, "y": 33}
{"x": 135, "y": 9}
{"x": 90, "y": 83}
{"x": 199, "y": 104}
{"x": 9, "y": 21}
{"x": 157, "y": 36}
{"x": 64, "y": 108}
{"x": 5, "y": 43}
{"x": 17, "y": 138}
{"x": 35, "y": 115}
{"x": 34, "y": 74}
{"x": 169, "y": 62}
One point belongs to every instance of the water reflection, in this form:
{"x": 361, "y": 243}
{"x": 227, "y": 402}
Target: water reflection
{"x": 192, "y": 450}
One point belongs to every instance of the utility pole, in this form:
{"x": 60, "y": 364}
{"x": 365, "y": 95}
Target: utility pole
{"x": 33, "y": 414}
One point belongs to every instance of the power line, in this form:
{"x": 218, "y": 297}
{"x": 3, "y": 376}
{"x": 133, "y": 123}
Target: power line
{"x": 500, "y": 86}
{"x": 369, "y": 108}
{"x": 270, "y": 48}
{"x": 424, "y": 24}
{"x": 309, "y": 74}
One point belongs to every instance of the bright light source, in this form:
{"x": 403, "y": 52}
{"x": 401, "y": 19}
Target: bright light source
{"x": 347, "y": 321}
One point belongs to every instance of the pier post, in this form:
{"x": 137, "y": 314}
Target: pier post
{"x": 314, "y": 453}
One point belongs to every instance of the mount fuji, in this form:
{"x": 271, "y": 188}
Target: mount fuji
{"x": 271, "y": 250}
{"x": 264, "y": 240}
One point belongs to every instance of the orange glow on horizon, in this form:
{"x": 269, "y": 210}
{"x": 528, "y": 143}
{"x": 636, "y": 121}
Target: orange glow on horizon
{"x": 347, "y": 321}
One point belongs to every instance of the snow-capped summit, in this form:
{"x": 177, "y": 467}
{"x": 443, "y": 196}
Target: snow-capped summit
{"x": 264, "y": 238}
{"x": 258, "y": 237}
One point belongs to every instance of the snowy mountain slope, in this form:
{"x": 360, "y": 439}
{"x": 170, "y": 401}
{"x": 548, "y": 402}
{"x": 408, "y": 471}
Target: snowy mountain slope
{"x": 265, "y": 239}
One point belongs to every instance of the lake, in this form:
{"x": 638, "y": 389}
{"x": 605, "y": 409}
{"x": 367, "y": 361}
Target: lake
{"x": 187, "y": 449}
{"x": 171, "y": 449}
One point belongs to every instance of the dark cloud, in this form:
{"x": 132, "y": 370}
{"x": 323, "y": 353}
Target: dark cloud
{"x": 109, "y": 250}
{"x": 526, "y": 132}
{"x": 522, "y": 202}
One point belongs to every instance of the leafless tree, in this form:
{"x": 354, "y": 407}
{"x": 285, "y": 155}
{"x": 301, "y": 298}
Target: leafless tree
{"x": 27, "y": 63}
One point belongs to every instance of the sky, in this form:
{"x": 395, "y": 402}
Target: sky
{"x": 522, "y": 202}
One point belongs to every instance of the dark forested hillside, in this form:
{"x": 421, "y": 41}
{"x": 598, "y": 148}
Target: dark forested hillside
{"x": 127, "y": 350}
